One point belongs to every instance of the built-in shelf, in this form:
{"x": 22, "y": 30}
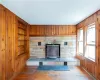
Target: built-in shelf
{"x": 22, "y": 42}
{"x": 21, "y": 34}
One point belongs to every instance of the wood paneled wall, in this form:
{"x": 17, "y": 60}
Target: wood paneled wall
{"x": 2, "y": 42}
{"x": 9, "y": 57}
{"x": 92, "y": 67}
{"x": 47, "y": 30}
{"x": 98, "y": 45}
{"x": 10, "y": 63}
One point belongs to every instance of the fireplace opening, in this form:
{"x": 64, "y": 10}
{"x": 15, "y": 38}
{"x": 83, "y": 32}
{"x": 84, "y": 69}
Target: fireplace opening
{"x": 52, "y": 51}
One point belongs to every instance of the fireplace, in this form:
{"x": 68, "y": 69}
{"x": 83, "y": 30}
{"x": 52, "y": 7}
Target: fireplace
{"x": 52, "y": 51}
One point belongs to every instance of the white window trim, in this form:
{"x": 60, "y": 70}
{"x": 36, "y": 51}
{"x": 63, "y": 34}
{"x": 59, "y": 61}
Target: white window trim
{"x": 90, "y": 26}
{"x": 79, "y": 53}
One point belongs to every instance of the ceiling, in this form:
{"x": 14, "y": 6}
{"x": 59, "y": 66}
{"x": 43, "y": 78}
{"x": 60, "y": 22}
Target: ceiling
{"x": 52, "y": 12}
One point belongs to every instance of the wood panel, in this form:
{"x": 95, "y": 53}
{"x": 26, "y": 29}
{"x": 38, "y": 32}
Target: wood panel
{"x": 21, "y": 38}
{"x": 37, "y": 30}
{"x": 22, "y": 46}
{"x": 98, "y": 44}
{"x": 11, "y": 63}
{"x": 2, "y": 42}
{"x": 92, "y": 67}
{"x": 27, "y": 43}
{"x": 89, "y": 66}
{"x": 10, "y": 24}
{"x": 51, "y": 30}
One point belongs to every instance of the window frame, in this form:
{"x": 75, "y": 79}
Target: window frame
{"x": 78, "y": 41}
{"x": 89, "y": 44}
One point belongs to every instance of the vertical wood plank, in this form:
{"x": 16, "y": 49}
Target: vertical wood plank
{"x": 2, "y": 42}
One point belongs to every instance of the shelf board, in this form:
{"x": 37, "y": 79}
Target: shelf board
{"x": 21, "y": 28}
{"x": 22, "y": 40}
{"x": 20, "y": 45}
{"x": 21, "y": 34}
{"x": 22, "y": 52}
{"x": 20, "y": 55}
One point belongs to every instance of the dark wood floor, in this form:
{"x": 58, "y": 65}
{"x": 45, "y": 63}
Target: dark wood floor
{"x": 75, "y": 73}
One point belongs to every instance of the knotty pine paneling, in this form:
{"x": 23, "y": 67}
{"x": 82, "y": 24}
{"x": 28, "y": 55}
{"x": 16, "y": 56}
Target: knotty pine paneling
{"x": 10, "y": 63}
{"x": 98, "y": 44}
{"x": 92, "y": 67}
{"x": 10, "y": 24}
{"x": 53, "y": 30}
{"x": 37, "y": 30}
{"x": 2, "y": 42}
{"x": 27, "y": 43}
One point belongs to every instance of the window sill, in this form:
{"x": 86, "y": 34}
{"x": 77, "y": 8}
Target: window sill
{"x": 80, "y": 57}
{"x": 90, "y": 59}
{"x": 80, "y": 54}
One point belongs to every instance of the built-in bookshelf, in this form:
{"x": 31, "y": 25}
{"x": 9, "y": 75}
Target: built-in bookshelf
{"x": 22, "y": 42}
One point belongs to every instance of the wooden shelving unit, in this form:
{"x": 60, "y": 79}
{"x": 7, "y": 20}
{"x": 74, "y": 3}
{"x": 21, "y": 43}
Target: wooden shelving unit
{"x": 22, "y": 42}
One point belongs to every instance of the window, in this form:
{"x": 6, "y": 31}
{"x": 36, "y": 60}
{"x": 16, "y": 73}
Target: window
{"x": 80, "y": 42}
{"x": 90, "y": 42}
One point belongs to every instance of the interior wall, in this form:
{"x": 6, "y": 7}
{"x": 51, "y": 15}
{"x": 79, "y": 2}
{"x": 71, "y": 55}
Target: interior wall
{"x": 2, "y": 43}
{"x": 92, "y": 67}
{"x": 49, "y": 33}
{"x": 10, "y": 63}
{"x": 66, "y": 51}
{"x": 52, "y": 30}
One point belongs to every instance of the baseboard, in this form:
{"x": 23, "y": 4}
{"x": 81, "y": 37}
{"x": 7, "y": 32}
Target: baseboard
{"x": 89, "y": 73}
{"x": 12, "y": 78}
{"x": 16, "y": 74}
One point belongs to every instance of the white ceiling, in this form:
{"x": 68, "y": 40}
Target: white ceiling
{"x": 53, "y": 12}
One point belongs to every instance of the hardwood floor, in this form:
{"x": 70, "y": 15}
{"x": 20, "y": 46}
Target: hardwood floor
{"x": 75, "y": 73}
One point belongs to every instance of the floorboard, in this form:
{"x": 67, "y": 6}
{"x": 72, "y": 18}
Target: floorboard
{"x": 31, "y": 73}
